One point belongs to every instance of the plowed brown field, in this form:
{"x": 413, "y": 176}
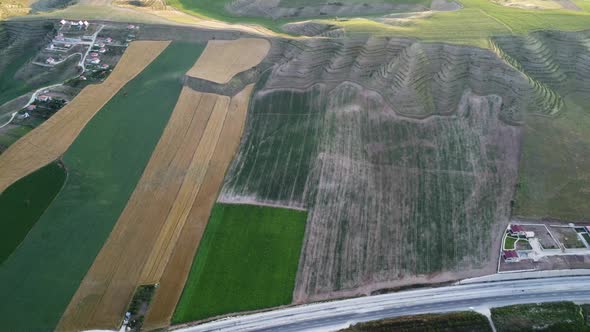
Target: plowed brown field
{"x": 145, "y": 237}
{"x": 222, "y": 59}
{"x": 178, "y": 266}
{"x": 50, "y": 140}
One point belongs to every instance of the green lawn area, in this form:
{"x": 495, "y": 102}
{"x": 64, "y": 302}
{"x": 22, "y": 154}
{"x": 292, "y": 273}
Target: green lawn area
{"x": 509, "y": 243}
{"x": 24, "y": 202}
{"x": 555, "y": 317}
{"x": 104, "y": 165}
{"x": 247, "y": 260}
{"x": 554, "y": 176}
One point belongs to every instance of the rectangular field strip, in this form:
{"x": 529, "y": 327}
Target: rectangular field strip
{"x": 51, "y": 139}
{"x": 104, "y": 164}
{"x": 247, "y": 260}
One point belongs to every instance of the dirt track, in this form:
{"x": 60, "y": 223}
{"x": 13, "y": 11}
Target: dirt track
{"x": 50, "y": 140}
{"x": 222, "y": 59}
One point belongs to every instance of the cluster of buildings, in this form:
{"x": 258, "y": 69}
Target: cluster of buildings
{"x": 80, "y": 24}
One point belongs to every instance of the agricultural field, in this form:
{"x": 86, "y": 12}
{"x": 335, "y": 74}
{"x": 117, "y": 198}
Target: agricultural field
{"x": 72, "y": 230}
{"x": 51, "y": 139}
{"x": 394, "y": 193}
{"x": 246, "y": 260}
{"x": 223, "y": 59}
{"x": 175, "y": 275}
{"x": 24, "y": 202}
{"x": 311, "y": 150}
{"x": 452, "y": 322}
{"x": 558, "y": 316}
{"x": 276, "y": 14}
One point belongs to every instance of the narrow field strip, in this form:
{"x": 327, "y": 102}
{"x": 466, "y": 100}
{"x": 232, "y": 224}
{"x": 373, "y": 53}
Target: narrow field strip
{"x": 110, "y": 282}
{"x": 177, "y": 267}
{"x": 50, "y": 140}
{"x": 162, "y": 249}
{"x": 105, "y": 164}
{"x": 222, "y": 59}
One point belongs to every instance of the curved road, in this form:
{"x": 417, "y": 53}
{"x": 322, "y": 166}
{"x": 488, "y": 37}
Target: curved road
{"x": 335, "y": 315}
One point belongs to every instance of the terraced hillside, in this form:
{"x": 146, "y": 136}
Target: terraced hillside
{"x": 404, "y": 153}
{"x": 554, "y": 178}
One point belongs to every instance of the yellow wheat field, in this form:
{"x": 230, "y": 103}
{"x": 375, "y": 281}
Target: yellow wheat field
{"x": 176, "y": 268}
{"x": 51, "y": 139}
{"x": 222, "y": 59}
{"x": 152, "y": 224}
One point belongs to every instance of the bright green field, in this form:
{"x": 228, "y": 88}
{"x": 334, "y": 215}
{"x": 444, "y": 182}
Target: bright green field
{"x": 104, "y": 165}
{"x": 477, "y": 21}
{"x": 247, "y": 260}
{"x": 24, "y": 202}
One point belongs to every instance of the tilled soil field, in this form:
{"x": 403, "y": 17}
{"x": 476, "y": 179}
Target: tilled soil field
{"x": 405, "y": 154}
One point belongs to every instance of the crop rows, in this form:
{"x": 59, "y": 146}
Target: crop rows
{"x": 556, "y": 64}
{"x": 420, "y": 79}
{"x": 390, "y": 197}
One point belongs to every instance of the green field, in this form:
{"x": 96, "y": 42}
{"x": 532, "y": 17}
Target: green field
{"x": 216, "y": 10}
{"x": 554, "y": 178}
{"x": 383, "y": 186}
{"x": 24, "y": 202}
{"x": 476, "y": 22}
{"x": 104, "y": 165}
{"x": 551, "y": 317}
{"x": 466, "y": 321}
{"x": 246, "y": 260}
{"x": 473, "y": 24}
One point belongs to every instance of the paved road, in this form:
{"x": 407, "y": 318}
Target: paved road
{"x": 331, "y": 316}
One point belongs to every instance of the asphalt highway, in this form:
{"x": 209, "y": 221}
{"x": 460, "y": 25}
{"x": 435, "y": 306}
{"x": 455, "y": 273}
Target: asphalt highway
{"x": 335, "y": 315}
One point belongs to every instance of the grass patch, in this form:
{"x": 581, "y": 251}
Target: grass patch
{"x": 104, "y": 163}
{"x": 24, "y": 202}
{"x": 586, "y": 237}
{"x": 216, "y": 10}
{"x": 465, "y": 321}
{"x": 556, "y": 316}
{"x": 246, "y": 260}
{"x": 509, "y": 243}
{"x": 554, "y": 177}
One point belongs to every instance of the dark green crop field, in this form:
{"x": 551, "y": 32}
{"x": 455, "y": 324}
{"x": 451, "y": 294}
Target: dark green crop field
{"x": 104, "y": 165}
{"x": 24, "y": 202}
{"x": 246, "y": 260}
{"x": 466, "y": 321}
